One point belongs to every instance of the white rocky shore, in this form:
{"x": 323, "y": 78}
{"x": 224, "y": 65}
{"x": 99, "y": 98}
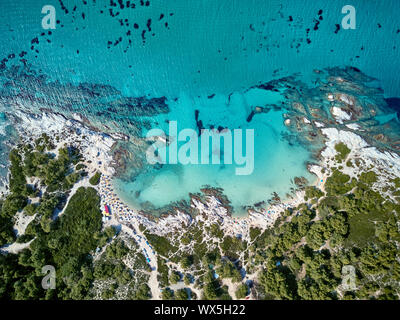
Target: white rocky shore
{"x": 385, "y": 164}
{"x": 368, "y": 157}
{"x": 94, "y": 146}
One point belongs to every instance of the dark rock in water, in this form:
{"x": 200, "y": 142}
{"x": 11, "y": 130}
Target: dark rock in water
{"x": 63, "y": 7}
{"x": 355, "y": 69}
{"x": 199, "y": 123}
{"x": 229, "y": 98}
{"x": 394, "y": 103}
{"x": 199, "y": 126}
{"x": 266, "y": 86}
{"x": 211, "y": 96}
{"x": 220, "y": 128}
{"x": 275, "y": 199}
{"x": 250, "y": 117}
{"x": 300, "y": 181}
{"x": 317, "y": 22}
{"x": 259, "y": 204}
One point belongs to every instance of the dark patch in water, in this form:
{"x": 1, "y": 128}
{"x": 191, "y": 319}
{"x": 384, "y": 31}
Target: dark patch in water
{"x": 355, "y": 69}
{"x": 394, "y": 103}
{"x": 250, "y": 117}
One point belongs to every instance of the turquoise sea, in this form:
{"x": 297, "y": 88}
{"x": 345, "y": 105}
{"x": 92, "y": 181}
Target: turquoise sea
{"x": 276, "y": 162}
{"x": 202, "y": 55}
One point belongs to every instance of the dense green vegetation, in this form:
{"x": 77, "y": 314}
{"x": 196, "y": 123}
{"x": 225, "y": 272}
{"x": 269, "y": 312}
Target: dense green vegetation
{"x": 304, "y": 254}
{"x": 232, "y": 246}
{"x": 55, "y": 173}
{"x": 228, "y": 270}
{"x": 94, "y": 181}
{"x": 163, "y": 273}
{"x": 174, "y": 277}
{"x": 114, "y": 276}
{"x": 350, "y": 223}
{"x": 161, "y": 244}
{"x": 66, "y": 242}
{"x": 342, "y": 152}
{"x": 338, "y": 184}
{"x": 16, "y": 199}
{"x": 241, "y": 291}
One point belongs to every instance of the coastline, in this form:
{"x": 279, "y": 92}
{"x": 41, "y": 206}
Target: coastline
{"x": 207, "y": 210}
{"x": 97, "y": 150}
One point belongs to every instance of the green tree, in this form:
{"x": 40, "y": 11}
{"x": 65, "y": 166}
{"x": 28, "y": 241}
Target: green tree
{"x": 181, "y": 294}
{"x": 175, "y": 277}
{"x": 241, "y": 291}
{"x": 167, "y": 294}
{"x": 95, "y": 179}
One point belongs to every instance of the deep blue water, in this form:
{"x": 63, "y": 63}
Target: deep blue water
{"x": 209, "y": 46}
{"x": 191, "y": 50}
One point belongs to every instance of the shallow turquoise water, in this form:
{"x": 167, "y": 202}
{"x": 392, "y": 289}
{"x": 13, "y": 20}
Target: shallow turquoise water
{"x": 276, "y": 162}
{"x": 209, "y": 47}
